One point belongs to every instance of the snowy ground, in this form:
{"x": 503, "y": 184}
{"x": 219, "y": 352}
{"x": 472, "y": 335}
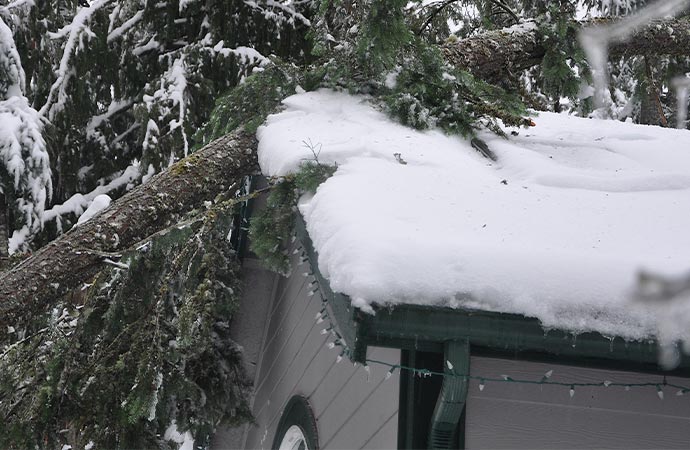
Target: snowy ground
{"x": 557, "y": 229}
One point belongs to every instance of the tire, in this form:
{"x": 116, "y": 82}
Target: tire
{"x": 297, "y": 426}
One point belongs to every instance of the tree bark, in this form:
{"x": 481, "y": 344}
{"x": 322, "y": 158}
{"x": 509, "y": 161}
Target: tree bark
{"x": 3, "y": 230}
{"x": 77, "y": 256}
{"x": 501, "y": 54}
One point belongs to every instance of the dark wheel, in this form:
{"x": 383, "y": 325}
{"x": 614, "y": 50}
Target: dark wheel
{"x": 297, "y": 427}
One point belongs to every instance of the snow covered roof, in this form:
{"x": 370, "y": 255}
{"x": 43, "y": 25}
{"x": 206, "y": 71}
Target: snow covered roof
{"x": 557, "y": 229}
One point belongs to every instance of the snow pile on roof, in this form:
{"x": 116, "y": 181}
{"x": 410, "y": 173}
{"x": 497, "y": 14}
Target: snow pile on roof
{"x": 557, "y": 229}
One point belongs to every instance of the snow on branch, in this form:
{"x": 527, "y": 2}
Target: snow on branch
{"x": 78, "y": 203}
{"x": 114, "y": 108}
{"x": 77, "y": 29}
{"x": 269, "y": 7}
{"x": 16, "y": 4}
{"x": 24, "y": 163}
{"x": 122, "y": 29}
{"x": 25, "y": 176}
{"x": 171, "y": 94}
{"x": 12, "y": 78}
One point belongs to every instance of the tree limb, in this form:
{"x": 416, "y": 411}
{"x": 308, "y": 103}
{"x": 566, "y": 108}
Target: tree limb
{"x": 498, "y": 54}
{"x": 62, "y": 265}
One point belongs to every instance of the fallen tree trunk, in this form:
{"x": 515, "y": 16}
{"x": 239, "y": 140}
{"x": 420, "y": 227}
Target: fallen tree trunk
{"x": 496, "y": 55}
{"x": 77, "y": 256}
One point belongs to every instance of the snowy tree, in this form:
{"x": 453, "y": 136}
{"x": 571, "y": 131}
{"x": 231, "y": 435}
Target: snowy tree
{"x": 156, "y": 104}
{"x": 25, "y": 177}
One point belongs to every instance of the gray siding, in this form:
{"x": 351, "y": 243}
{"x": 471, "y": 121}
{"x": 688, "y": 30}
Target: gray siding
{"x": 247, "y": 329}
{"x": 353, "y": 409}
{"x": 512, "y": 416}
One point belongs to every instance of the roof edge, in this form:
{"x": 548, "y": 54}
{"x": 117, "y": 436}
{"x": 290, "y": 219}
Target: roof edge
{"x": 427, "y": 328}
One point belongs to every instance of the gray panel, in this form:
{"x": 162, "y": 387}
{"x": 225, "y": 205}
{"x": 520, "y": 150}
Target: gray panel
{"x": 283, "y": 321}
{"x": 286, "y": 350}
{"x": 386, "y": 437}
{"x": 364, "y": 422}
{"x": 509, "y": 415}
{"x": 342, "y": 400}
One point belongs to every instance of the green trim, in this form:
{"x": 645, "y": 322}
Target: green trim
{"x": 404, "y": 326}
{"x": 340, "y": 304}
{"x": 451, "y": 400}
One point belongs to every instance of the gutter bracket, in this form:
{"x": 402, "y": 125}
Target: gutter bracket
{"x": 451, "y": 399}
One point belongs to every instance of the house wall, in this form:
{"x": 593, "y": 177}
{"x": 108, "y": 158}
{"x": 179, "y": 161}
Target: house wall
{"x": 353, "y": 409}
{"x": 247, "y": 329}
{"x": 509, "y": 415}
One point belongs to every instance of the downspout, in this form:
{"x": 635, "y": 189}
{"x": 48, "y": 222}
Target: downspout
{"x": 451, "y": 400}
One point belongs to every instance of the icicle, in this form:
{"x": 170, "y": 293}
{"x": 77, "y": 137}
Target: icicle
{"x": 659, "y": 392}
{"x": 481, "y": 385}
{"x": 340, "y": 357}
{"x": 449, "y": 364}
{"x": 572, "y": 391}
{"x": 368, "y": 371}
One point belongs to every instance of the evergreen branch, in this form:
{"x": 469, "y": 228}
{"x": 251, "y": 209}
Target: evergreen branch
{"x": 507, "y": 9}
{"x": 57, "y": 95}
{"x": 432, "y": 15}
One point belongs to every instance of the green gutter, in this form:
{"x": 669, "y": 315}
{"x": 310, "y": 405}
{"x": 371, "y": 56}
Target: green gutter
{"x": 404, "y": 326}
